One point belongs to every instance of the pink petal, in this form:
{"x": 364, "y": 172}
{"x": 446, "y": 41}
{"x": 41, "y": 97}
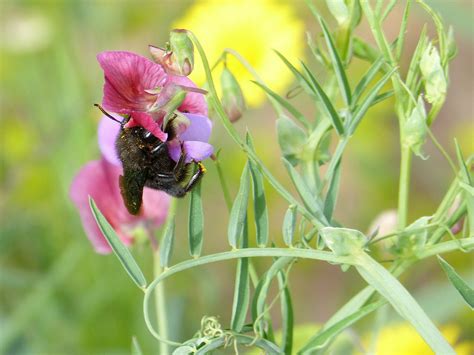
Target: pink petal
{"x": 107, "y": 134}
{"x": 155, "y": 206}
{"x": 199, "y": 129}
{"x": 147, "y": 122}
{"x": 127, "y": 76}
{"x": 94, "y": 180}
{"x": 194, "y": 102}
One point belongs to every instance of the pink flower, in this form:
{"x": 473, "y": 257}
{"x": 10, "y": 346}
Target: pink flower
{"x": 99, "y": 179}
{"x": 130, "y": 83}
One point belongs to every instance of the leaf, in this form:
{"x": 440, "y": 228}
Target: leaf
{"x": 323, "y": 97}
{"x": 302, "y": 80}
{"x": 402, "y": 33}
{"x": 364, "y": 51}
{"x": 331, "y": 196}
{"x": 413, "y": 238}
{"x": 287, "y": 318}
{"x": 167, "y": 243}
{"x": 367, "y": 78}
{"x": 343, "y": 241}
{"x": 120, "y": 250}
{"x": 242, "y": 288}
{"x": 196, "y": 222}
{"x": 319, "y": 342}
{"x": 238, "y": 213}
{"x": 414, "y": 66}
{"x": 402, "y": 301}
{"x": 288, "y": 228}
{"x": 368, "y": 100}
{"x": 136, "y": 350}
{"x": 291, "y": 138}
{"x": 463, "y": 288}
{"x": 336, "y": 62}
{"x": 259, "y": 202}
{"x": 289, "y": 107}
{"x": 309, "y": 199}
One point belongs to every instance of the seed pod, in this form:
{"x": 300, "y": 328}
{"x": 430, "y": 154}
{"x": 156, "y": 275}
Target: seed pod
{"x": 178, "y": 57}
{"x": 232, "y": 96}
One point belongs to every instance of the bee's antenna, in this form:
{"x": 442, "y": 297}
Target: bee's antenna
{"x": 108, "y": 114}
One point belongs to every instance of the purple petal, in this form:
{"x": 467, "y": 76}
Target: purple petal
{"x": 194, "y": 102}
{"x": 197, "y": 150}
{"x": 107, "y": 134}
{"x": 199, "y": 129}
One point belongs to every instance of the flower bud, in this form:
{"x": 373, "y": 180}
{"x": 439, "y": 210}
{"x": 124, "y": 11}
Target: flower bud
{"x": 339, "y": 10}
{"x": 433, "y": 75}
{"x": 232, "y": 96}
{"x": 415, "y": 129}
{"x": 178, "y": 57}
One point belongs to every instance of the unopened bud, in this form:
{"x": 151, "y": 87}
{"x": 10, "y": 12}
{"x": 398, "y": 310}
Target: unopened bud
{"x": 433, "y": 75}
{"x": 339, "y": 10}
{"x": 178, "y": 57}
{"x": 232, "y": 96}
{"x": 415, "y": 129}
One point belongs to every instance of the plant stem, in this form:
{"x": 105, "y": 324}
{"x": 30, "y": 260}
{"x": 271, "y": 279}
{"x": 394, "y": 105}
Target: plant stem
{"x": 404, "y": 186}
{"x": 160, "y": 303}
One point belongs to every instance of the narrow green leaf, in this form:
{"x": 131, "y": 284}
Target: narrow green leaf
{"x": 196, "y": 222}
{"x": 302, "y": 80}
{"x": 414, "y": 67}
{"x": 289, "y": 107}
{"x": 242, "y": 288}
{"x": 382, "y": 97}
{"x": 364, "y": 51}
{"x": 366, "y": 79}
{"x": 464, "y": 170}
{"x": 167, "y": 243}
{"x": 336, "y": 62}
{"x": 288, "y": 227}
{"x": 402, "y": 301}
{"x": 259, "y": 202}
{"x": 403, "y": 29}
{"x": 331, "y": 111}
{"x": 331, "y": 196}
{"x": 463, "y": 288}
{"x": 287, "y": 319}
{"x": 319, "y": 342}
{"x": 239, "y": 210}
{"x": 311, "y": 201}
{"x": 120, "y": 250}
{"x": 136, "y": 350}
{"x": 368, "y": 100}
{"x": 439, "y": 29}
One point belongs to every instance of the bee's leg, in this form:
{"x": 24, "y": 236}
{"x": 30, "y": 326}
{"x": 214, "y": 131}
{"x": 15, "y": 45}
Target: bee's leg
{"x": 158, "y": 148}
{"x": 196, "y": 177}
{"x": 180, "y": 170}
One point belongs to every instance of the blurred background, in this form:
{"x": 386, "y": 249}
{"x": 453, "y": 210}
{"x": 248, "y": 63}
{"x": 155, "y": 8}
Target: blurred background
{"x": 58, "y": 296}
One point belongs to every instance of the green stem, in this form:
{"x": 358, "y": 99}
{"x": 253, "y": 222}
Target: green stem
{"x": 225, "y": 188}
{"x": 160, "y": 303}
{"x": 404, "y": 186}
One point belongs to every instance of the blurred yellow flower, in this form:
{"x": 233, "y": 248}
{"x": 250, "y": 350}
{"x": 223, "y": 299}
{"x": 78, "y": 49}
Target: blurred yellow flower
{"x": 403, "y": 339}
{"x": 253, "y": 28}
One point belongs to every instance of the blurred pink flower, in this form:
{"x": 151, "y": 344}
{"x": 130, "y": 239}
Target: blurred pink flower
{"x": 99, "y": 179}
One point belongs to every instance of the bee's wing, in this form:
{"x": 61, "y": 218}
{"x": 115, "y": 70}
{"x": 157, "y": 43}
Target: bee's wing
{"x": 131, "y": 188}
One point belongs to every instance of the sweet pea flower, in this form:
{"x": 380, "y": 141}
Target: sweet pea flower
{"x": 134, "y": 85}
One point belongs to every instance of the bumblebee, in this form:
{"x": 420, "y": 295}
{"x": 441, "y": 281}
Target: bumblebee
{"x": 146, "y": 162}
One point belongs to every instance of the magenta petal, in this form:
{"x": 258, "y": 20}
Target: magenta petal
{"x": 194, "y": 102}
{"x": 127, "y": 76}
{"x": 199, "y": 129}
{"x": 107, "y": 134}
{"x": 94, "y": 180}
{"x": 147, "y": 122}
{"x": 197, "y": 151}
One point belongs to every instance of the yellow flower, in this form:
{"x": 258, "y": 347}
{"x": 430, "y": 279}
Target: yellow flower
{"x": 403, "y": 339}
{"x": 253, "y": 28}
